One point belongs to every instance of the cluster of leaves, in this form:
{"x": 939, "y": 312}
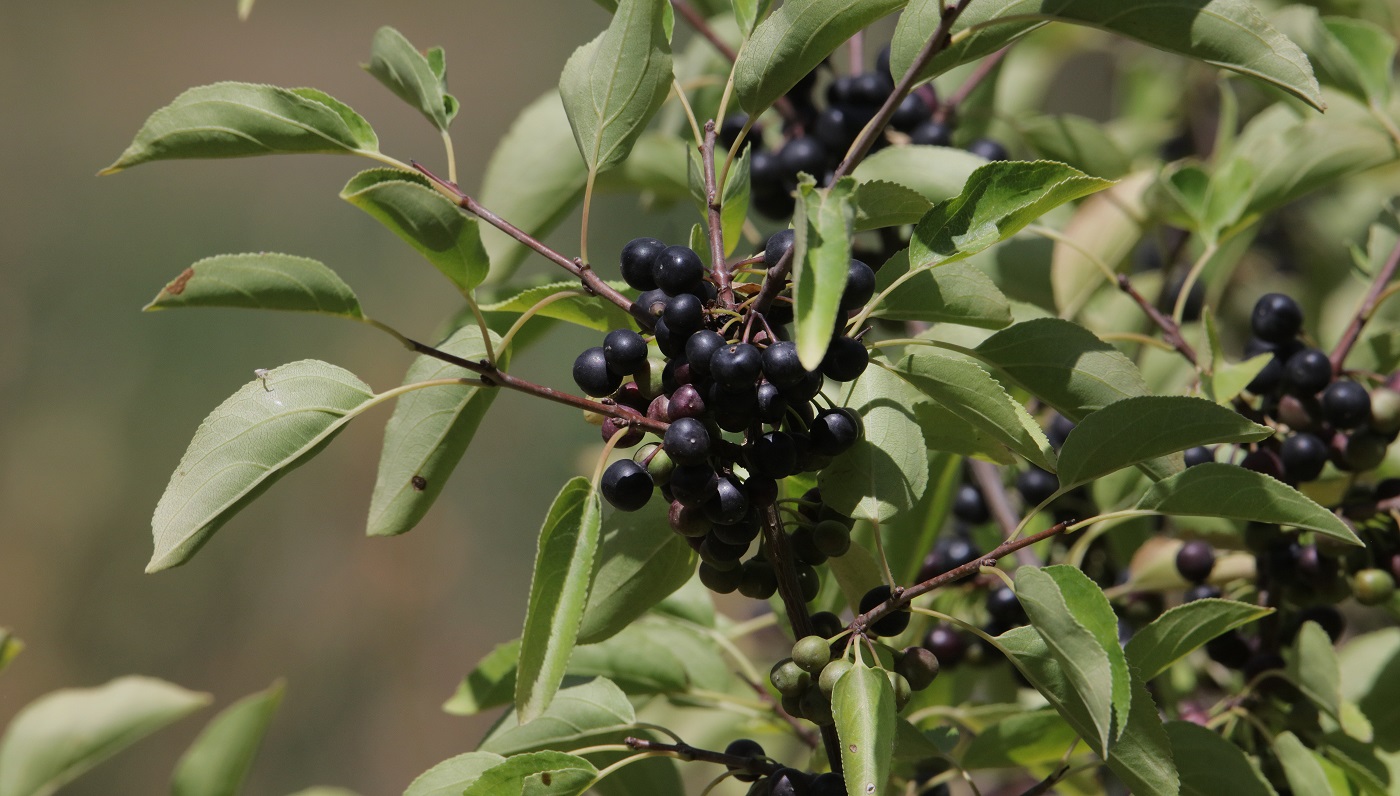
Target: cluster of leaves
{"x": 1004, "y": 305}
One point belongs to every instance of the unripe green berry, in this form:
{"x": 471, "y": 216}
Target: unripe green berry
{"x": 816, "y": 708}
{"x": 902, "y": 692}
{"x": 789, "y": 678}
{"x": 1373, "y": 586}
{"x": 833, "y": 672}
{"x": 812, "y": 654}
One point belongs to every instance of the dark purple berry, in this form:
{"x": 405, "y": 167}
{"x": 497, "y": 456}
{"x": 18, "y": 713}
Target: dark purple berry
{"x": 736, "y": 366}
{"x": 1303, "y": 457}
{"x": 1195, "y": 560}
{"x": 912, "y": 112}
{"x": 1307, "y": 372}
{"x": 652, "y": 302}
{"x": 757, "y": 581}
{"x": 625, "y": 352}
{"x": 1200, "y": 592}
{"x": 744, "y": 747}
{"x": 685, "y": 402}
{"x": 781, "y": 365}
{"x": 1346, "y": 404}
{"x": 932, "y": 133}
{"x": 637, "y": 257}
{"x": 846, "y": 358}
{"x": 871, "y": 88}
{"x": 592, "y": 375}
{"x": 946, "y": 643}
{"x": 1058, "y": 432}
{"x": 699, "y": 348}
{"x": 1004, "y": 607}
{"x": 672, "y": 345}
{"x": 692, "y": 484}
{"x": 626, "y": 485}
{"x": 1265, "y": 461}
{"x": 772, "y": 406}
{"x": 687, "y": 441}
{"x": 720, "y": 581}
{"x": 1276, "y": 318}
{"x": 988, "y": 149}
{"x": 841, "y": 91}
{"x": 1199, "y": 455}
{"x": 969, "y": 506}
{"x": 836, "y": 128}
{"x": 860, "y": 286}
{"x": 891, "y": 624}
{"x": 677, "y": 270}
{"x": 687, "y": 520}
{"x": 684, "y": 315}
{"x": 826, "y": 624}
{"x": 1036, "y": 485}
{"x": 728, "y": 504}
{"x": 779, "y": 243}
{"x": 730, "y": 128}
{"x": 802, "y": 155}
{"x": 834, "y": 431}
{"x": 774, "y": 455}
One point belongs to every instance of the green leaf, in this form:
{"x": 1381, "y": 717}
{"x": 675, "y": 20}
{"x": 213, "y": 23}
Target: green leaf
{"x": 959, "y": 293}
{"x": 1231, "y": 34}
{"x": 427, "y": 436}
{"x": 230, "y": 120}
{"x": 323, "y": 790}
{"x": 1182, "y": 629}
{"x": 558, "y": 593}
{"x": 1142, "y": 756}
{"x": 10, "y": 647}
{"x": 998, "y": 201}
{"x": 218, "y": 761}
{"x": 264, "y": 281}
{"x": 405, "y": 71}
{"x": 886, "y": 471}
{"x": 1300, "y": 765}
{"x": 452, "y": 776}
{"x": 935, "y": 173}
{"x": 1313, "y": 666}
{"x": 748, "y": 12}
{"x": 272, "y": 425}
{"x": 245, "y": 8}
{"x": 821, "y": 258}
{"x": 1078, "y": 142}
{"x": 977, "y": 399}
{"x": 887, "y": 204}
{"x": 1105, "y": 228}
{"x": 734, "y": 200}
{"x": 863, "y": 707}
{"x": 1211, "y": 765}
{"x": 577, "y": 713}
{"x": 1353, "y": 55}
{"x": 1079, "y": 626}
{"x": 1021, "y": 740}
{"x": 62, "y": 734}
{"x": 424, "y": 219}
{"x": 591, "y": 312}
{"x": 793, "y": 41}
{"x": 1142, "y": 428}
{"x": 1225, "y": 490}
{"x": 535, "y": 177}
{"x": 535, "y": 774}
{"x": 1063, "y": 364}
{"x": 613, "y": 85}
{"x": 1370, "y": 672}
{"x": 489, "y": 685}
{"x": 640, "y": 562}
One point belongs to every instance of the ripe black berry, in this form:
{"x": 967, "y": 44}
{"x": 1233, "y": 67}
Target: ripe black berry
{"x": 989, "y": 149}
{"x": 860, "y": 286}
{"x": 969, "y": 506}
{"x": 809, "y": 583}
{"x": 772, "y": 406}
{"x": 728, "y": 504}
{"x": 846, "y": 358}
{"x": 736, "y": 366}
{"x": 946, "y": 643}
{"x": 692, "y": 484}
{"x": 826, "y": 624}
{"x": 730, "y": 128}
{"x": 1346, "y": 404}
{"x": 592, "y": 375}
{"x": 757, "y": 581}
{"x": 912, "y": 112}
{"x": 687, "y": 520}
{"x": 1303, "y": 457}
{"x": 1276, "y": 318}
{"x": 802, "y": 155}
{"x": 871, "y": 88}
{"x": 1036, "y": 485}
{"x": 719, "y": 581}
{"x": 687, "y": 441}
{"x": 684, "y": 315}
{"x": 1004, "y": 607}
{"x": 1307, "y": 372}
{"x": 932, "y": 133}
{"x": 1195, "y": 560}
{"x": 677, "y": 270}
{"x": 1199, "y": 455}
{"x": 890, "y": 624}
{"x": 781, "y": 365}
{"x": 626, "y": 485}
{"x": 836, "y": 128}
{"x": 789, "y": 781}
{"x": 827, "y": 784}
{"x": 637, "y": 257}
{"x": 699, "y": 347}
{"x": 834, "y": 431}
{"x": 774, "y": 455}
{"x": 744, "y": 747}
{"x": 779, "y": 243}
{"x": 625, "y": 352}
{"x": 652, "y": 302}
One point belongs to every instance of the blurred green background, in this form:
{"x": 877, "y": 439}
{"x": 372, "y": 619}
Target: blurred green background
{"x": 100, "y": 400}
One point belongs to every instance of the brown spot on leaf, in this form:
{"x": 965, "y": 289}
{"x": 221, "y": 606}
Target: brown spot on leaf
{"x": 419, "y": 483}
{"x": 546, "y": 778}
{"x": 177, "y": 285}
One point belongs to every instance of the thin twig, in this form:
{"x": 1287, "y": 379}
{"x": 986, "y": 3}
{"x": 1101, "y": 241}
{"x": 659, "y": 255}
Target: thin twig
{"x": 993, "y": 491}
{"x": 936, "y": 44}
{"x": 1171, "y": 332}
{"x": 902, "y": 597}
{"x": 713, "y": 207}
{"x": 592, "y": 283}
{"x": 803, "y": 732}
{"x": 948, "y": 107}
{"x": 684, "y": 751}
{"x": 697, "y": 21}
{"x": 1363, "y": 314}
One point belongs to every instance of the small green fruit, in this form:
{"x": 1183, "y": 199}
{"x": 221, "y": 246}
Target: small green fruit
{"x": 833, "y": 672}
{"x": 1372, "y": 586}
{"x": 812, "y": 654}
{"x": 789, "y": 678}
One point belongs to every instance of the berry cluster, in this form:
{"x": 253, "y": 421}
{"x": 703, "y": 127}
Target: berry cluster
{"x": 817, "y": 139}
{"x": 1326, "y": 418}
{"x": 724, "y": 375}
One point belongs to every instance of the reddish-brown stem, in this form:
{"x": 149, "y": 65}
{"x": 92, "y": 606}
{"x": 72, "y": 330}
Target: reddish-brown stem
{"x": 492, "y": 376}
{"x": 720, "y": 269}
{"x": 902, "y": 597}
{"x": 591, "y": 281}
{"x": 949, "y": 107}
{"x": 936, "y": 43}
{"x": 1363, "y": 314}
{"x": 773, "y": 282}
{"x": 1171, "y": 332}
{"x": 685, "y": 751}
{"x": 804, "y": 734}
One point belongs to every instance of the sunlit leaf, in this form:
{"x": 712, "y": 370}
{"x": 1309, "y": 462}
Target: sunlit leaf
{"x": 263, "y": 281}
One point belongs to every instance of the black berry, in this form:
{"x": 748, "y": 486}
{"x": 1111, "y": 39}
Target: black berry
{"x": 860, "y": 286}
{"x": 687, "y": 441}
{"x": 846, "y": 358}
{"x": 637, "y": 258}
{"x": 736, "y": 366}
{"x": 989, "y": 149}
{"x": 626, "y": 485}
{"x": 1304, "y": 456}
{"x": 1195, "y": 560}
{"x": 592, "y": 375}
{"x": 1276, "y": 318}
{"x": 834, "y": 431}
{"x": 932, "y": 133}
{"x": 890, "y": 625}
{"x": 677, "y": 270}
{"x": 1346, "y": 404}
{"x": 699, "y": 347}
{"x": 625, "y": 352}
{"x": 1036, "y": 485}
{"x": 969, "y": 506}
{"x": 684, "y": 315}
